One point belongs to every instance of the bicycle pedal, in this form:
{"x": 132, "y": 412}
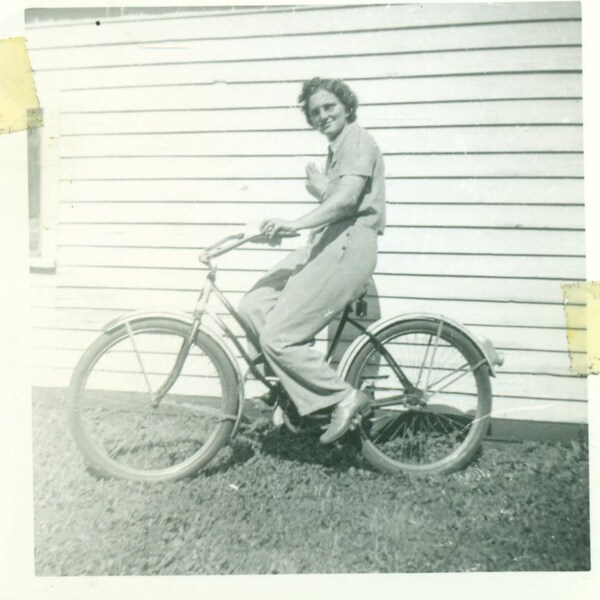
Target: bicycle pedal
{"x": 356, "y": 421}
{"x": 258, "y": 404}
{"x": 259, "y": 424}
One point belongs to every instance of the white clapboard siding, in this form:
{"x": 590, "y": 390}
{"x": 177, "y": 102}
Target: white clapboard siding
{"x": 257, "y": 95}
{"x": 421, "y": 190}
{"x": 443, "y": 215}
{"x": 261, "y": 258}
{"x": 549, "y": 386}
{"x": 506, "y": 112}
{"x": 470, "y": 312}
{"x": 518, "y": 378}
{"x": 283, "y": 22}
{"x": 536, "y": 340}
{"x": 246, "y": 167}
{"x": 176, "y": 130}
{"x": 398, "y": 239}
{"x": 335, "y": 43}
{"x": 454, "y": 63}
{"x": 87, "y": 323}
{"x": 479, "y": 288}
{"x": 542, "y": 344}
{"x": 42, "y": 294}
{"x": 515, "y": 382}
{"x": 474, "y": 139}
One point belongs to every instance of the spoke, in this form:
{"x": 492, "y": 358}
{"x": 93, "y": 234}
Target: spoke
{"x": 424, "y": 361}
{"x": 462, "y": 427}
{"x": 439, "y": 419}
{"x": 461, "y": 369}
{"x": 432, "y": 393}
{"x": 462, "y": 374}
{"x": 139, "y": 358}
{"x": 435, "y": 347}
{"x": 421, "y": 441}
{"x": 427, "y": 421}
{"x": 380, "y": 432}
{"x": 410, "y": 426}
{"x": 400, "y": 424}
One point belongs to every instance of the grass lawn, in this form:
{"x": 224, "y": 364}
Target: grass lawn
{"x": 279, "y": 503}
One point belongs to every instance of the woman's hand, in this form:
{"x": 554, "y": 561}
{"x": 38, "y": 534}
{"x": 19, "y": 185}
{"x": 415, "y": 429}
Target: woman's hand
{"x": 275, "y": 227}
{"x": 316, "y": 182}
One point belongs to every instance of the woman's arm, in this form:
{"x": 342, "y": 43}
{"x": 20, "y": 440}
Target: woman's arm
{"x": 340, "y": 203}
{"x": 316, "y": 182}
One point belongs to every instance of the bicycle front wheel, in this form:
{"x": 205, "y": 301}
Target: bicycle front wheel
{"x": 115, "y": 419}
{"x": 437, "y": 424}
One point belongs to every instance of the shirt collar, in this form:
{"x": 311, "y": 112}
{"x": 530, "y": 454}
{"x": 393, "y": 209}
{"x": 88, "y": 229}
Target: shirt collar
{"x": 333, "y": 146}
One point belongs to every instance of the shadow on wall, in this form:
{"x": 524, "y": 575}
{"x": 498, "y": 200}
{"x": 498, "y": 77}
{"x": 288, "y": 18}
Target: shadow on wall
{"x": 350, "y": 332}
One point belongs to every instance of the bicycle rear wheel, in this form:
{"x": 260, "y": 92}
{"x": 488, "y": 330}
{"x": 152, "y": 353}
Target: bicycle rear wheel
{"x": 112, "y": 416}
{"x": 437, "y": 427}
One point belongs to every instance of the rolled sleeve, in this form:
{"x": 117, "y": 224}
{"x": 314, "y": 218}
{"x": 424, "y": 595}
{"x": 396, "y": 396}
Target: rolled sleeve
{"x": 356, "y": 157}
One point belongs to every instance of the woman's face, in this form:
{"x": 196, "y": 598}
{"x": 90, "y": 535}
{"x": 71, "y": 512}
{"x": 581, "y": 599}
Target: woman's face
{"x": 327, "y": 114}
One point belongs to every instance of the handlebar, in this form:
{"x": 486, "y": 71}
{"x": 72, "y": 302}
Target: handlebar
{"x": 238, "y": 239}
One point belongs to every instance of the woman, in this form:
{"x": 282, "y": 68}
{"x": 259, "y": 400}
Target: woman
{"x": 311, "y": 286}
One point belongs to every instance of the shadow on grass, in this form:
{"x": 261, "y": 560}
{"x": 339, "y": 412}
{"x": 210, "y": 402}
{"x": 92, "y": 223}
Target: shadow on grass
{"x": 306, "y": 448}
{"x": 240, "y": 452}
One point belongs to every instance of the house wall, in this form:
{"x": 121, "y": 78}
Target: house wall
{"x": 177, "y": 130}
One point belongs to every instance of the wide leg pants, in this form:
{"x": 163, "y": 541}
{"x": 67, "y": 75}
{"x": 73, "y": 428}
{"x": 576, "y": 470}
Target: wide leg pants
{"x": 298, "y": 298}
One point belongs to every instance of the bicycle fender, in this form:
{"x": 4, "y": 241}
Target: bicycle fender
{"x": 187, "y": 319}
{"x": 492, "y": 356}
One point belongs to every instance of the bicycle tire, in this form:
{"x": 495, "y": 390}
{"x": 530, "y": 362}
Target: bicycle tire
{"x": 111, "y": 415}
{"x": 441, "y": 434}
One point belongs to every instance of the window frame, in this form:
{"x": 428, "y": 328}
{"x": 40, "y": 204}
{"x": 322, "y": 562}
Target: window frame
{"x": 49, "y": 156}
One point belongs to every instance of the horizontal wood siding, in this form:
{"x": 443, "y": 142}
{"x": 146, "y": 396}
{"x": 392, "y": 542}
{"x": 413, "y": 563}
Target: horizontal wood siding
{"x": 178, "y": 130}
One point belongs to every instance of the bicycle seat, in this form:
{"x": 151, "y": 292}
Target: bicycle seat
{"x": 360, "y": 307}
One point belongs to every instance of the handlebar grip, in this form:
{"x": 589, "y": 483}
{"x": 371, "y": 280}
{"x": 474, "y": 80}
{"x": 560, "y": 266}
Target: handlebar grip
{"x": 236, "y": 240}
{"x": 263, "y": 238}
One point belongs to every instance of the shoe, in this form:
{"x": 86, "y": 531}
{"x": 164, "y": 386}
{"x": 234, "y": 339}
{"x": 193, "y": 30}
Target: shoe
{"x": 277, "y": 419}
{"x": 342, "y": 416}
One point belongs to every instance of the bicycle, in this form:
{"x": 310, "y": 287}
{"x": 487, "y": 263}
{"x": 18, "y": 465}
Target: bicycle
{"x": 158, "y": 394}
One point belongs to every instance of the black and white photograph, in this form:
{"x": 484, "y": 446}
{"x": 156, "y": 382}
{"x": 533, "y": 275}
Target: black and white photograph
{"x": 307, "y": 290}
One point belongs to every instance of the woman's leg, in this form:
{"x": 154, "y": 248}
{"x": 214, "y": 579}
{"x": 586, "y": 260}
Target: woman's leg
{"x": 260, "y": 300}
{"x": 312, "y": 297}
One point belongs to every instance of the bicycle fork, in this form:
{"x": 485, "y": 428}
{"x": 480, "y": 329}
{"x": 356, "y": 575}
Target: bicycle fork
{"x": 183, "y": 350}
{"x": 177, "y": 367}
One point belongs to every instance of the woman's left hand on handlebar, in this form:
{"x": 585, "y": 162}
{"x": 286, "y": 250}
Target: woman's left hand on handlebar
{"x": 276, "y": 227}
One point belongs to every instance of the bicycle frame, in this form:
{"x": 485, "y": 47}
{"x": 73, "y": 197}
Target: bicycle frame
{"x": 210, "y": 287}
{"x": 201, "y": 310}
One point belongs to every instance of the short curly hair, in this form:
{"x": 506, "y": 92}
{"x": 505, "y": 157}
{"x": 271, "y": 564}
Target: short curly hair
{"x": 337, "y": 87}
